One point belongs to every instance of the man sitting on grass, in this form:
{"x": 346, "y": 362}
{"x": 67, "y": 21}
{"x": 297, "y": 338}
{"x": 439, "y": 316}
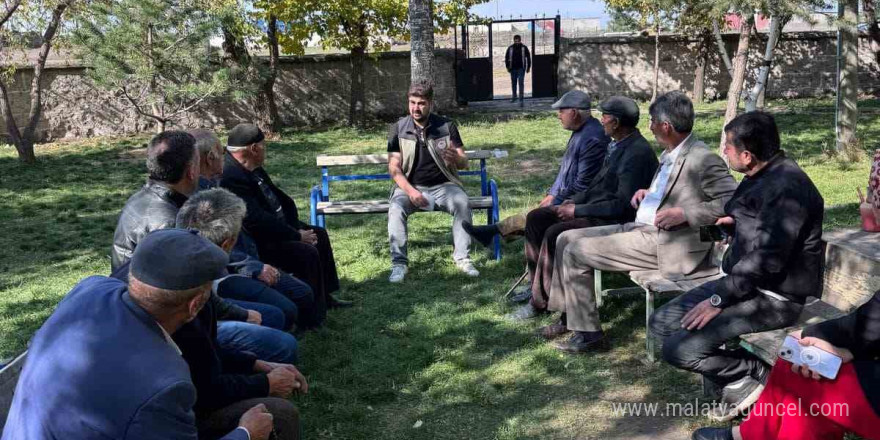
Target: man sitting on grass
{"x": 104, "y": 366}
{"x": 425, "y": 153}
{"x": 774, "y": 263}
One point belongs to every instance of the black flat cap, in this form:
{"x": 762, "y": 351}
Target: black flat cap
{"x": 624, "y": 109}
{"x": 177, "y": 259}
{"x": 244, "y": 134}
{"x": 573, "y": 99}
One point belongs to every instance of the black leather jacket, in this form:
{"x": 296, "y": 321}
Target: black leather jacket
{"x": 153, "y": 207}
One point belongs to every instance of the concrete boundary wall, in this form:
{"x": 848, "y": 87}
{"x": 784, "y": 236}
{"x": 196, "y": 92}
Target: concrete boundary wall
{"x": 805, "y": 65}
{"x": 312, "y": 89}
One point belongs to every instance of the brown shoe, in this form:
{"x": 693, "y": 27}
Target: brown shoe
{"x": 582, "y": 342}
{"x": 553, "y": 331}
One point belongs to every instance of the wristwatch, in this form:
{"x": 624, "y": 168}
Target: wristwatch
{"x": 715, "y": 300}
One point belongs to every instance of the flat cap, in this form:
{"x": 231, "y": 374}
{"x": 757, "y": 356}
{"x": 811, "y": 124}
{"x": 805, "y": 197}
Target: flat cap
{"x": 244, "y": 134}
{"x": 177, "y": 259}
{"x": 624, "y": 109}
{"x": 573, "y": 99}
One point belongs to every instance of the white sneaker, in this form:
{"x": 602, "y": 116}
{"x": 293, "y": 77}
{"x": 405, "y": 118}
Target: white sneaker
{"x": 467, "y": 267}
{"x": 398, "y": 271}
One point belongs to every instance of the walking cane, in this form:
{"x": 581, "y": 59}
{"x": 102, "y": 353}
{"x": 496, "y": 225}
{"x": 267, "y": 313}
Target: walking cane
{"x": 517, "y": 283}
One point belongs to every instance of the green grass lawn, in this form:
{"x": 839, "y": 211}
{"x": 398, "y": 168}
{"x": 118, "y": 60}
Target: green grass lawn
{"x": 435, "y": 351}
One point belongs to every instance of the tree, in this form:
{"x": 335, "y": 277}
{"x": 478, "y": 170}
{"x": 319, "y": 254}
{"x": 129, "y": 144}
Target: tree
{"x": 739, "y": 73}
{"x": 870, "y": 10}
{"x": 421, "y": 27}
{"x": 154, "y": 53}
{"x": 24, "y": 139}
{"x": 847, "y": 74}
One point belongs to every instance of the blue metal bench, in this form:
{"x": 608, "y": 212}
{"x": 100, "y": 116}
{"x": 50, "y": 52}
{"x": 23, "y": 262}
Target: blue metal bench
{"x": 321, "y": 206}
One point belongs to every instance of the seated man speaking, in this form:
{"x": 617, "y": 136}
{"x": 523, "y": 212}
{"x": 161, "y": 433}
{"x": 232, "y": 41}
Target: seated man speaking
{"x": 774, "y": 263}
{"x": 425, "y": 153}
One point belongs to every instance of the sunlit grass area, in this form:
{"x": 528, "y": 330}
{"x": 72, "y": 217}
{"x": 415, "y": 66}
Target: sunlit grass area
{"x": 432, "y": 358}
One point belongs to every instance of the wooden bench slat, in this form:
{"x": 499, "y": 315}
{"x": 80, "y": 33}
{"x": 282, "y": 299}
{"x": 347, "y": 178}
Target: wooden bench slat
{"x": 378, "y": 206}
{"x": 360, "y": 159}
{"x": 653, "y": 280}
{"x": 766, "y": 345}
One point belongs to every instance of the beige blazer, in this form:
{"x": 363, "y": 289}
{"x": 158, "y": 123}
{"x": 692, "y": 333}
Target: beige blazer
{"x": 700, "y": 184}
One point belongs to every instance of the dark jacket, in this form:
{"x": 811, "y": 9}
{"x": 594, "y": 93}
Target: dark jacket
{"x": 777, "y": 244}
{"x": 517, "y": 56}
{"x": 583, "y": 159}
{"x": 260, "y": 221}
{"x": 153, "y": 207}
{"x": 859, "y": 332}
{"x": 630, "y": 167}
{"x": 101, "y": 368}
{"x": 221, "y": 377}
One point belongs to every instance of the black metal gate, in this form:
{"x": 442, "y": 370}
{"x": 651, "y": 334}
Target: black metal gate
{"x": 477, "y": 71}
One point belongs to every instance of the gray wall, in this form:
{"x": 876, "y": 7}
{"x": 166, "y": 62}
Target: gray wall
{"x": 804, "y": 66}
{"x": 309, "y": 90}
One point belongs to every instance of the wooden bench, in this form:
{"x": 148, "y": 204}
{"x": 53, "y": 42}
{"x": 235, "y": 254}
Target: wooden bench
{"x": 321, "y": 205}
{"x": 650, "y": 283}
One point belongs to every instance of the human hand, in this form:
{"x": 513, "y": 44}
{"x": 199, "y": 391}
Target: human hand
{"x": 730, "y": 223}
{"x": 257, "y": 421}
{"x": 282, "y": 382}
{"x": 452, "y": 156}
{"x": 565, "y": 211}
{"x": 418, "y": 199}
{"x": 844, "y": 354}
{"x": 254, "y": 317}
{"x": 546, "y": 201}
{"x": 638, "y": 197}
{"x": 669, "y": 218}
{"x": 308, "y": 237}
{"x": 699, "y": 316}
{"x": 269, "y": 275}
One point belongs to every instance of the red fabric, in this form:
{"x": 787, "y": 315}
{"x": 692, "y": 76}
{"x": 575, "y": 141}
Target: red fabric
{"x": 795, "y": 408}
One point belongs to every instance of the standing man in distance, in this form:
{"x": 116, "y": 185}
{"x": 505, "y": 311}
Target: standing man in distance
{"x": 518, "y": 61}
{"x": 425, "y": 153}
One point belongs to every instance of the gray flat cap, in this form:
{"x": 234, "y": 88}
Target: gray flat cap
{"x": 573, "y": 99}
{"x": 624, "y": 109}
{"x": 177, "y": 259}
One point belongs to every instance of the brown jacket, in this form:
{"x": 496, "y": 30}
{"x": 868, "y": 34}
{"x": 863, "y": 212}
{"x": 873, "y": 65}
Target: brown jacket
{"x": 700, "y": 184}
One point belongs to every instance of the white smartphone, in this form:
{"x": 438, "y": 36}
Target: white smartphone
{"x": 822, "y": 362}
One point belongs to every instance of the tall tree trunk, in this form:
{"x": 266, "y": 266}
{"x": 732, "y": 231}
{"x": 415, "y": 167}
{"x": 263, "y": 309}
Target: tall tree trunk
{"x": 870, "y": 8}
{"x": 357, "y": 105}
{"x": 268, "y": 116}
{"x": 421, "y": 26}
{"x": 656, "y": 57}
{"x": 847, "y": 74}
{"x": 702, "y": 61}
{"x": 722, "y": 49}
{"x": 739, "y": 74}
{"x": 764, "y": 72}
{"x": 24, "y": 139}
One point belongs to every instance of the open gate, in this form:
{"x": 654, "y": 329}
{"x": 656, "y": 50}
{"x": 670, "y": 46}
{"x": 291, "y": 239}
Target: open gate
{"x": 480, "y": 74}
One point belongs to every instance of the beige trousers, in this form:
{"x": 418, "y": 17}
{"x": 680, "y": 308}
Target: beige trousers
{"x": 614, "y": 248}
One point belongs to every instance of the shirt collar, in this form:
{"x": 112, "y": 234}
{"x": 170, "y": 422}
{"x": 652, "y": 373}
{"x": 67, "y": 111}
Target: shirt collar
{"x": 671, "y": 156}
{"x": 169, "y": 340}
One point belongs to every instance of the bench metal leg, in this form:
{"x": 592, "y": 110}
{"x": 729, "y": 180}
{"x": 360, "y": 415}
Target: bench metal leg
{"x": 649, "y": 339}
{"x": 597, "y": 286}
{"x": 313, "y": 205}
{"x": 495, "y": 217}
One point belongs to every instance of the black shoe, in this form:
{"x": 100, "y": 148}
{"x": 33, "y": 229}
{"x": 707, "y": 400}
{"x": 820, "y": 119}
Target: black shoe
{"x": 336, "y": 303}
{"x": 712, "y": 434}
{"x": 483, "y": 234}
{"x": 513, "y": 99}
{"x": 736, "y": 398}
{"x": 582, "y": 342}
{"x": 522, "y": 296}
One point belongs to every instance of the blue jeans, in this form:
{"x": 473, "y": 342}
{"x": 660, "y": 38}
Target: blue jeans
{"x": 298, "y": 291}
{"x": 518, "y": 76}
{"x": 272, "y": 316}
{"x": 241, "y": 288}
{"x": 268, "y": 344}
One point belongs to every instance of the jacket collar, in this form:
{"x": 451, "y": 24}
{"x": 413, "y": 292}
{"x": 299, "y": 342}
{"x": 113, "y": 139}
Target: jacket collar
{"x": 162, "y": 190}
{"x": 142, "y": 314}
{"x": 774, "y": 162}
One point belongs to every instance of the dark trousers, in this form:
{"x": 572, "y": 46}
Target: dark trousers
{"x": 285, "y": 418}
{"x": 239, "y": 288}
{"x": 699, "y": 350}
{"x": 543, "y": 227}
{"x": 313, "y": 264}
{"x": 517, "y": 79}
{"x": 301, "y": 294}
